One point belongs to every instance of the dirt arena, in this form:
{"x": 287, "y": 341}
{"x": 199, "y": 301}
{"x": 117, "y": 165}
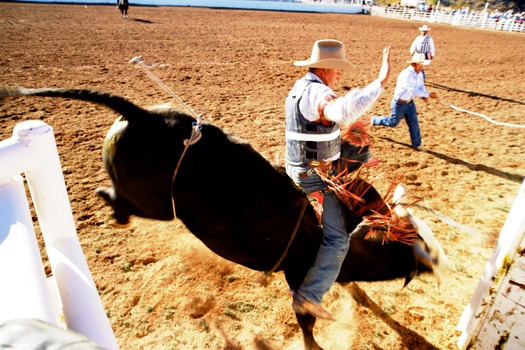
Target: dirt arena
{"x": 162, "y": 288}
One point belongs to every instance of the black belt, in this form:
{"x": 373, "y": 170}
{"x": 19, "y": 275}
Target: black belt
{"x": 403, "y": 101}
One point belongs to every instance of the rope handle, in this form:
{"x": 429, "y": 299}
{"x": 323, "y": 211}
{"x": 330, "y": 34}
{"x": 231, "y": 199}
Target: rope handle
{"x": 196, "y": 134}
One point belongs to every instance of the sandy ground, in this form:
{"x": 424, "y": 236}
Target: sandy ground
{"x": 162, "y": 288}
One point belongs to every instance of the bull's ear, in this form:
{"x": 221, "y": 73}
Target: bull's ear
{"x": 413, "y": 269}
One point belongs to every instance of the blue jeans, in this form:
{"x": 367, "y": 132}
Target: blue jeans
{"x": 402, "y": 110}
{"x": 336, "y": 242}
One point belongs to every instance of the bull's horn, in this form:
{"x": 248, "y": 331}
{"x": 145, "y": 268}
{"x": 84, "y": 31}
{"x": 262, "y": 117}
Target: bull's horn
{"x": 422, "y": 255}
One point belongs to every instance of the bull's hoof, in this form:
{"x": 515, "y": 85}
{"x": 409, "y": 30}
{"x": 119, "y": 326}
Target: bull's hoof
{"x": 119, "y": 225}
{"x": 312, "y": 346}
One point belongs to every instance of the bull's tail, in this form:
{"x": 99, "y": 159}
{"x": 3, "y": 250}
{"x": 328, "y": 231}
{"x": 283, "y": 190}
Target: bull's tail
{"x": 116, "y": 103}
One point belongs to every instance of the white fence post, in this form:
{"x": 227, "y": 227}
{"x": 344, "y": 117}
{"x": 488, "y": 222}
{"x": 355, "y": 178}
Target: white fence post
{"x": 32, "y": 150}
{"x": 24, "y": 292}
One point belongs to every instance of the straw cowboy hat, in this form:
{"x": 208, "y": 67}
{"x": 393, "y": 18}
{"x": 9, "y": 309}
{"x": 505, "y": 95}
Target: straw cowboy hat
{"x": 424, "y": 28}
{"x": 328, "y": 54}
{"x": 419, "y": 58}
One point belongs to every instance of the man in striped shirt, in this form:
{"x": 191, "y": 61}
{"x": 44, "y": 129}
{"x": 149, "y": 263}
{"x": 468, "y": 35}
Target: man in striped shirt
{"x": 424, "y": 44}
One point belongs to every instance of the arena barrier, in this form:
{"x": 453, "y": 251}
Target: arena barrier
{"x": 494, "y": 318}
{"x": 69, "y": 299}
{"x": 480, "y": 21}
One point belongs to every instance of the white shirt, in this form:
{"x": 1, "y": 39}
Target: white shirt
{"x": 418, "y": 41}
{"x": 409, "y": 85}
{"x": 342, "y": 110}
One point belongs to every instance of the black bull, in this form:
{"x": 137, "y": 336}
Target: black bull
{"x": 235, "y": 201}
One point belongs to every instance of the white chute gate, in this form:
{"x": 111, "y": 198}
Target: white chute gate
{"x": 69, "y": 298}
{"x": 495, "y": 316}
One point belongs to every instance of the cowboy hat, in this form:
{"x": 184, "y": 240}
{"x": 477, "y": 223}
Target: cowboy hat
{"x": 328, "y": 54}
{"x": 419, "y": 58}
{"x": 424, "y": 28}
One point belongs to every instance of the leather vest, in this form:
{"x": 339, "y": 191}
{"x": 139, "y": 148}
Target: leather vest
{"x": 307, "y": 141}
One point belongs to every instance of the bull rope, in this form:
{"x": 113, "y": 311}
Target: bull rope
{"x": 196, "y": 126}
{"x": 138, "y": 60}
{"x": 445, "y": 102}
{"x": 449, "y": 221}
{"x": 194, "y": 138}
{"x": 294, "y": 233}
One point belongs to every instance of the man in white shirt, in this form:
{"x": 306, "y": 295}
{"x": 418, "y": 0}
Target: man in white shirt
{"x": 410, "y": 84}
{"x": 314, "y": 115}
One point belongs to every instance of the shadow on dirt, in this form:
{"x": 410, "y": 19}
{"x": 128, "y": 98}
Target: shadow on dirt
{"x": 141, "y": 20}
{"x": 518, "y": 178}
{"x": 410, "y": 339}
{"x": 472, "y": 93}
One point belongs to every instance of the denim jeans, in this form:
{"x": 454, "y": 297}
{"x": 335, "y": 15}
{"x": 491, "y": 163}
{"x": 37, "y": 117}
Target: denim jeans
{"x": 336, "y": 242}
{"x": 402, "y": 110}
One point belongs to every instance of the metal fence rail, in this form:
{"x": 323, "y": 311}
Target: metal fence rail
{"x": 455, "y": 19}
